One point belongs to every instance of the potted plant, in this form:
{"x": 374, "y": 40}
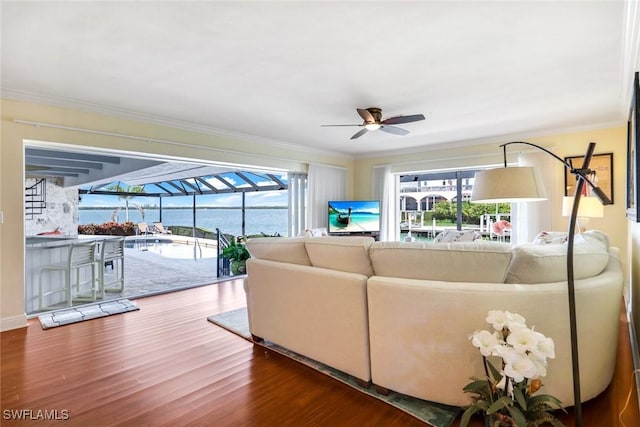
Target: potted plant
{"x": 506, "y": 396}
{"x": 238, "y": 255}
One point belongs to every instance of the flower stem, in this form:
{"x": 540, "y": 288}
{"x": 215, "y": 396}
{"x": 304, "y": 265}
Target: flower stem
{"x": 489, "y": 380}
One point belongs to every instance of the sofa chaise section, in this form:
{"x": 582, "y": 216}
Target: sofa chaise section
{"x": 318, "y": 312}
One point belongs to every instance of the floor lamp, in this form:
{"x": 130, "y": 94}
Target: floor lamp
{"x": 590, "y": 207}
{"x": 518, "y": 184}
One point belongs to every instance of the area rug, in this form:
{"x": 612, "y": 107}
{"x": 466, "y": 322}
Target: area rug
{"x": 434, "y": 414}
{"x": 86, "y": 312}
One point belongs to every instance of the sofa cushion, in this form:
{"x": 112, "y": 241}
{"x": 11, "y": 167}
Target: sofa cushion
{"x": 350, "y": 254}
{"x": 479, "y": 261}
{"x": 280, "y": 249}
{"x": 536, "y": 263}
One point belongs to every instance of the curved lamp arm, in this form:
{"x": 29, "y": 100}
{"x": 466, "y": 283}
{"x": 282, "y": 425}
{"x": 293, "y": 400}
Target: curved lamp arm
{"x": 582, "y": 175}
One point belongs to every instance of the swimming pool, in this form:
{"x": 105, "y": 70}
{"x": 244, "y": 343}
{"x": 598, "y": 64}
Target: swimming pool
{"x": 170, "y": 249}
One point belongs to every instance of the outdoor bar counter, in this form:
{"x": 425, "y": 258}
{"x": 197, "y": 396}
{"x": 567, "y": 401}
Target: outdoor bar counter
{"x": 47, "y": 250}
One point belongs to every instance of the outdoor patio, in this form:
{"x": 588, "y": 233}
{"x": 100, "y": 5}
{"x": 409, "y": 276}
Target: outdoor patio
{"x": 148, "y": 272}
{"x": 161, "y": 264}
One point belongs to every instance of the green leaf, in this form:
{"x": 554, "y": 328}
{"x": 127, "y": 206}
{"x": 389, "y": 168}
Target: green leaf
{"x": 477, "y": 386}
{"x": 499, "y": 404}
{"x": 518, "y": 416}
{"x": 520, "y": 398}
{"x": 545, "y": 399}
{"x": 466, "y": 415}
{"x": 494, "y": 372}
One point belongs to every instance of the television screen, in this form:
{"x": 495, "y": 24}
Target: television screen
{"x": 354, "y": 216}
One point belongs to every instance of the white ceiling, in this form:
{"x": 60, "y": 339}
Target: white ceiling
{"x": 276, "y": 71}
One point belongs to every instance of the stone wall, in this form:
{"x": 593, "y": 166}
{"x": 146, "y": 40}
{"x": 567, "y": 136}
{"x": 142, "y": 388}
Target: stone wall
{"x": 60, "y": 212}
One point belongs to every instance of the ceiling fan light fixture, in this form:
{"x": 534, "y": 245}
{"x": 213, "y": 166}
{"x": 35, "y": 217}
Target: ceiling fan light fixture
{"x": 372, "y": 120}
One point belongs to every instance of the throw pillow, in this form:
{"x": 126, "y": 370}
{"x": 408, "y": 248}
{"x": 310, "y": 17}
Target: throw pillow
{"x": 448, "y": 236}
{"x": 550, "y": 237}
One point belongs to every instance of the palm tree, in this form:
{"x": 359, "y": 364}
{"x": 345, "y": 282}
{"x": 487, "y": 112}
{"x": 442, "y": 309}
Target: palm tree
{"x": 127, "y": 193}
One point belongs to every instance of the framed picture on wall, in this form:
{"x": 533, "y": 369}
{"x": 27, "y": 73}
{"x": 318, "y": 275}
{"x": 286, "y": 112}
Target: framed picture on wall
{"x": 602, "y": 174}
{"x": 633, "y": 155}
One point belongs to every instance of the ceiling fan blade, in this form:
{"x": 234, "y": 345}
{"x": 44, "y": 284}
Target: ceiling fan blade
{"x": 394, "y": 130}
{"x": 359, "y": 133}
{"x": 366, "y": 115}
{"x": 338, "y": 125}
{"x": 402, "y": 119}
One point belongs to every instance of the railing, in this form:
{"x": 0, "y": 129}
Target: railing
{"x": 35, "y": 198}
{"x": 223, "y": 263}
{"x": 196, "y": 244}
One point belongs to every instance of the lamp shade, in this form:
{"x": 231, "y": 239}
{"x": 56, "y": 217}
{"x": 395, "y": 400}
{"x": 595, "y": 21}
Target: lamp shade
{"x": 504, "y": 185}
{"x": 590, "y": 207}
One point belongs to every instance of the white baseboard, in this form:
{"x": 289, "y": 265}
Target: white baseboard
{"x": 14, "y": 322}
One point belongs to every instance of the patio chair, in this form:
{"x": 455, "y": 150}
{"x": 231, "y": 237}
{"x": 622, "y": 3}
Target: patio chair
{"x": 142, "y": 229}
{"x": 157, "y": 226}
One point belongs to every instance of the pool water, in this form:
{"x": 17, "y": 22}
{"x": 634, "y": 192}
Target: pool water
{"x": 181, "y": 251}
{"x": 168, "y": 249}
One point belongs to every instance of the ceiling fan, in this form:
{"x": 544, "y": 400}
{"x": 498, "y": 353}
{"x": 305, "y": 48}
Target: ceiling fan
{"x": 373, "y": 121}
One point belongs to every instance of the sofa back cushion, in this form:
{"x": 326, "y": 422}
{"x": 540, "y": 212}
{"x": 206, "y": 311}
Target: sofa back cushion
{"x": 478, "y": 261}
{"x": 279, "y": 249}
{"x": 547, "y": 263}
{"x": 344, "y": 253}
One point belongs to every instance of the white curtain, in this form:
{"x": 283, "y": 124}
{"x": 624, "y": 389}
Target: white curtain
{"x": 297, "y": 203}
{"x": 385, "y": 188}
{"x": 324, "y": 184}
{"x": 529, "y": 219}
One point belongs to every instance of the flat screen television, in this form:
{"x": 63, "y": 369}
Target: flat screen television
{"x": 354, "y": 217}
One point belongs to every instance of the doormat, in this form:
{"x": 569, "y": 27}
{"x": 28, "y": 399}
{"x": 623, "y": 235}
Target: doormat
{"x": 434, "y": 414}
{"x": 86, "y": 312}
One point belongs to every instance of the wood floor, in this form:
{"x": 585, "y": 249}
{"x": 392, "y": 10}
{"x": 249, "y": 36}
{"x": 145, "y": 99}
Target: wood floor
{"x": 165, "y": 365}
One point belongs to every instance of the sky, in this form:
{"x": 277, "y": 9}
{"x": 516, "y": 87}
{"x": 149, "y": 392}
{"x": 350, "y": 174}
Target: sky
{"x": 259, "y": 198}
{"x": 253, "y": 198}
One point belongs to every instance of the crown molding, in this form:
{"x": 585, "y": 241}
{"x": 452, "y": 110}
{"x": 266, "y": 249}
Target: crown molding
{"x": 448, "y": 145}
{"x": 630, "y": 53}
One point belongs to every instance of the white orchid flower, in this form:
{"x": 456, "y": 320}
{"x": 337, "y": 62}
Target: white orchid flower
{"x": 502, "y": 383}
{"x": 541, "y": 366}
{"x": 485, "y": 341}
{"x": 505, "y": 319}
{"x": 519, "y": 367}
{"x": 515, "y": 321}
{"x": 545, "y": 348}
{"x": 523, "y": 340}
{"x": 497, "y": 318}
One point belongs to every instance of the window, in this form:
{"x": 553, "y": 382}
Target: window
{"x": 432, "y": 202}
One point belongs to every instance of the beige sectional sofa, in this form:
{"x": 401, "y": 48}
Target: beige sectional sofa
{"x": 399, "y": 314}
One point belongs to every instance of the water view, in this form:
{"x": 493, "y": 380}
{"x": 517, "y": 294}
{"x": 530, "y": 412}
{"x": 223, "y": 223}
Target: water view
{"x": 268, "y": 220}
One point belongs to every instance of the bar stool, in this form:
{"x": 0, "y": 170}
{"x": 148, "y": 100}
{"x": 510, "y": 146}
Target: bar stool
{"x": 79, "y": 274}
{"x": 112, "y": 254}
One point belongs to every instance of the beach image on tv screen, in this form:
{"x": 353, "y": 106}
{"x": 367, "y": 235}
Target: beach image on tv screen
{"x": 354, "y": 216}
